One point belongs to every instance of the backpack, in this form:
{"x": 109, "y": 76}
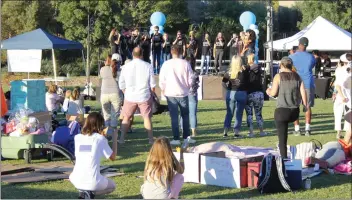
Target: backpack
{"x": 272, "y": 176}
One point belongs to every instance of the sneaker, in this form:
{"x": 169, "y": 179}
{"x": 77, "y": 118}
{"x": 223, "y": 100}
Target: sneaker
{"x": 237, "y": 136}
{"x": 297, "y": 133}
{"x": 175, "y": 142}
{"x": 151, "y": 141}
{"x": 250, "y": 135}
{"x": 190, "y": 140}
{"x": 263, "y": 134}
{"x": 225, "y": 135}
{"x": 86, "y": 195}
{"x": 307, "y": 133}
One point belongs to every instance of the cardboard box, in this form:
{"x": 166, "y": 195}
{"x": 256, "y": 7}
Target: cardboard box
{"x": 252, "y": 179}
{"x": 81, "y": 118}
{"x": 225, "y": 172}
{"x": 192, "y": 165}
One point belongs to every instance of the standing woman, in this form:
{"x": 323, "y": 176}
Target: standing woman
{"x": 234, "y": 45}
{"x": 289, "y": 89}
{"x": 219, "y": 46}
{"x": 114, "y": 39}
{"x": 236, "y": 83}
{"x": 157, "y": 41}
{"x": 249, "y": 45}
{"x": 192, "y": 47}
{"x": 206, "y": 52}
{"x": 110, "y": 95}
{"x": 193, "y": 100}
{"x": 255, "y": 97}
{"x": 145, "y": 45}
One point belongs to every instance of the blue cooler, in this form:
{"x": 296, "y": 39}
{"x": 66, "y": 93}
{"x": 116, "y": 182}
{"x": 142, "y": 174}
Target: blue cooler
{"x": 294, "y": 173}
{"x": 29, "y": 93}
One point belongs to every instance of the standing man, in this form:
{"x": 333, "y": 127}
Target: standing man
{"x": 317, "y": 66}
{"x": 304, "y": 63}
{"x": 157, "y": 41}
{"x": 135, "y": 39}
{"x": 137, "y": 82}
{"x": 166, "y": 48}
{"x": 180, "y": 43}
{"x": 175, "y": 82}
{"x": 192, "y": 47}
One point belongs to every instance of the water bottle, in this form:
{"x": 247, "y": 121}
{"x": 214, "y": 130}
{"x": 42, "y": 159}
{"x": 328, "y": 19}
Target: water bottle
{"x": 308, "y": 184}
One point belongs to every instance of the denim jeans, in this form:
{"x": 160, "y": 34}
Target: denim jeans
{"x": 205, "y": 62}
{"x": 193, "y": 107}
{"x": 235, "y": 103}
{"x": 166, "y": 56}
{"x": 156, "y": 60}
{"x": 174, "y": 103}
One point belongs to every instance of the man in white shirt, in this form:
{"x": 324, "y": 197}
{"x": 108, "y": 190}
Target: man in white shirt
{"x": 137, "y": 82}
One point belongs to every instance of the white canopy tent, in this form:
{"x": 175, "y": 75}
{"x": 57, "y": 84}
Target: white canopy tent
{"x": 322, "y": 34}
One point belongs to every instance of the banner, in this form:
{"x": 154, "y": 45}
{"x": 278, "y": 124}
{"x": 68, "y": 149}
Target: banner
{"x": 24, "y": 60}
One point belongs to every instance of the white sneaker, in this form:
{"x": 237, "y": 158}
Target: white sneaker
{"x": 175, "y": 142}
{"x": 250, "y": 135}
{"x": 190, "y": 140}
{"x": 263, "y": 134}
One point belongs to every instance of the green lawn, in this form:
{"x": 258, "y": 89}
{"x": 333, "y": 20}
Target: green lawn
{"x": 132, "y": 156}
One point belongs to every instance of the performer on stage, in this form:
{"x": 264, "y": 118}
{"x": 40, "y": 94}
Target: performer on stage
{"x": 235, "y": 45}
{"x": 192, "y": 48}
{"x": 157, "y": 41}
{"x": 114, "y": 39}
{"x": 180, "y": 41}
{"x": 219, "y": 47}
{"x": 206, "y": 52}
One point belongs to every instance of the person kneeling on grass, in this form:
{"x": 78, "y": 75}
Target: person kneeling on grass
{"x": 163, "y": 177}
{"x": 90, "y": 147}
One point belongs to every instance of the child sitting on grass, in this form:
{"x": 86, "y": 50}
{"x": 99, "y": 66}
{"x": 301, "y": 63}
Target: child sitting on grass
{"x": 90, "y": 147}
{"x": 163, "y": 177}
{"x": 75, "y": 104}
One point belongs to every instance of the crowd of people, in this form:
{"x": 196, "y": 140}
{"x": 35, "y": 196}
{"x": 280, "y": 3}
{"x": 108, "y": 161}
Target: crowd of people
{"x": 157, "y": 47}
{"x": 131, "y": 87}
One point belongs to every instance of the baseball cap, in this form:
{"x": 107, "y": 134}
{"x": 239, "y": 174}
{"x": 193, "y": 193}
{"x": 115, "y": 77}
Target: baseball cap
{"x": 116, "y": 57}
{"x": 286, "y": 60}
{"x": 303, "y": 41}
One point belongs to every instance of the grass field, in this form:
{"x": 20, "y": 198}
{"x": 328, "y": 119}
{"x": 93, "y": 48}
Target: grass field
{"x": 132, "y": 156}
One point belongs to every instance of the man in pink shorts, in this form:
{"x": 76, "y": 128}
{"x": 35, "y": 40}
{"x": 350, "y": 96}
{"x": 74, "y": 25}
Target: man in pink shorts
{"x": 137, "y": 82}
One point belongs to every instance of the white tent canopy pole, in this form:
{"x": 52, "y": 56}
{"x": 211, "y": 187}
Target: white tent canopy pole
{"x": 54, "y": 65}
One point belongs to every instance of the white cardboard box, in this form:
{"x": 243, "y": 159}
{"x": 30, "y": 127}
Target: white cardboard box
{"x": 225, "y": 172}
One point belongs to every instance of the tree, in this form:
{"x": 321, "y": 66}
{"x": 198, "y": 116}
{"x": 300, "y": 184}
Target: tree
{"x": 339, "y": 12}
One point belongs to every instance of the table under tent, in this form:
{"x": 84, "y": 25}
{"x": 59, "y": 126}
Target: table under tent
{"x": 27, "y": 145}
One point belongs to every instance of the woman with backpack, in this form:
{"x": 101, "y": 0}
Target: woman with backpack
{"x": 289, "y": 89}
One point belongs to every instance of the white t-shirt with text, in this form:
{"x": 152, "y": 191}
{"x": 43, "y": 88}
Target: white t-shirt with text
{"x": 88, "y": 151}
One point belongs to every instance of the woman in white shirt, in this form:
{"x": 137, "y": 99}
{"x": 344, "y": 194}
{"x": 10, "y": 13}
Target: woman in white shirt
{"x": 90, "y": 147}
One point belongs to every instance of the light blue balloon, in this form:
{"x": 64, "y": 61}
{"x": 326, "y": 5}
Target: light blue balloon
{"x": 256, "y": 31}
{"x": 246, "y": 19}
{"x": 253, "y": 27}
{"x": 158, "y": 19}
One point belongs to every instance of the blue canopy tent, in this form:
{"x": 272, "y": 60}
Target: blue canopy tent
{"x": 40, "y": 39}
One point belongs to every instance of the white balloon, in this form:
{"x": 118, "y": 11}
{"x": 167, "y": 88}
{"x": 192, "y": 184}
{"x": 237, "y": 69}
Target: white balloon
{"x": 253, "y": 27}
{"x": 256, "y": 31}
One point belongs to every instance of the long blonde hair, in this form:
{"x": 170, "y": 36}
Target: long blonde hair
{"x": 161, "y": 162}
{"x": 235, "y": 67}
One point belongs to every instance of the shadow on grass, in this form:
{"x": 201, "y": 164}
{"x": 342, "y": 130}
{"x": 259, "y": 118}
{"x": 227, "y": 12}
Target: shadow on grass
{"x": 18, "y": 191}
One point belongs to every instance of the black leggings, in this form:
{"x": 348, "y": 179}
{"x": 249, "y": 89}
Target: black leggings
{"x": 283, "y": 116}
